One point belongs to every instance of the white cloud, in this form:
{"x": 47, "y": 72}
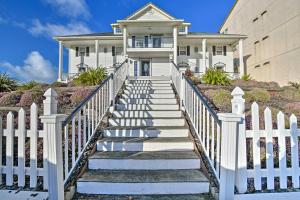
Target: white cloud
{"x": 49, "y": 29}
{"x": 35, "y": 67}
{"x": 70, "y": 8}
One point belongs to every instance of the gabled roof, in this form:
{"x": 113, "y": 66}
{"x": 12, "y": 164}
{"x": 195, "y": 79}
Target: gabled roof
{"x": 150, "y": 5}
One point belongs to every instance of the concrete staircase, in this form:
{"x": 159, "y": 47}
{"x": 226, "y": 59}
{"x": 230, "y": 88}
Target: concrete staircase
{"x": 146, "y": 150}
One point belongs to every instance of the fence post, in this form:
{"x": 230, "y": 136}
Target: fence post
{"x": 238, "y": 107}
{"x": 53, "y": 138}
{"x": 228, "y": 151}
{"x": 111, "y": 73}
{"x": 182, "y": 86}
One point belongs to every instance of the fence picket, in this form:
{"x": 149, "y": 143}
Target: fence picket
{"x": 21, "y": 147}
{"x": 294, "y": 151}
{"x": 256, "y": 145}
{"x": 33, "y": 144}
{"x": 10, "y": 149}
{"x": 79, "y": 133}
{"x": 282, "y": 150}
{"x": 269, "y": 146}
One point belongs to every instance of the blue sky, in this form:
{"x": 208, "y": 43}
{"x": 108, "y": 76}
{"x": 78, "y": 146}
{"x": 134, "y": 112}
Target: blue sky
{"x": 28, "y": 51}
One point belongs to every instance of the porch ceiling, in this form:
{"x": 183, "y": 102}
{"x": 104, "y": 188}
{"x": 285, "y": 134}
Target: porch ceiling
{"x": 70, "y": 44}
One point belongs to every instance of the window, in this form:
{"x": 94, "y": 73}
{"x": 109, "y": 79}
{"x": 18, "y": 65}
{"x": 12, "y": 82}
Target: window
{"x": 196, "y": 50}
{"x": 105, "y": 50}
{"x": 181, "y": 29}
{"x": 263, "y": 13}
{"x": 118, "y": 30}
{"x": 119, "y": 50}
{"x": 225, "y": 50}
{"x": 217, "y": 50}
{"x": 255, "y": 19}
{"x": 183, "y": 50}
{"x": 266, "y": 37}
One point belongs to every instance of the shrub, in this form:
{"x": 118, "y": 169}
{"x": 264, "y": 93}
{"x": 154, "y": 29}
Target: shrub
{"x": 257, "y": 94}
{"x": 216, "y": 77}
{"x": 28, "y": 86}
{"x": 10, "y": 99}
{"x": 91, "y": 77}
{"x": 30, "y": 97}
{"x": 246, "y": 77}
{"x": 58, "y": 84}
{"x": 293, "y": 108}
{"x": 221, "y": 99}
{"x": 79, "y": 95}
{"x": 295, "y": 85}
{"x": 7, "y": 84}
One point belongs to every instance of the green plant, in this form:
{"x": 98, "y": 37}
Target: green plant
{"x": 257, "y": 94}
{"x": 221, "y": 99}
{"x": 7, "y": 84}
{"x": 295, "y": 84}
{"x": 216, "y": 77}
{"x": 246, "y": 77}
{"x": 28, "y": 86}
{"x": 58, "y": 84}
{"x": 91, "y": 77}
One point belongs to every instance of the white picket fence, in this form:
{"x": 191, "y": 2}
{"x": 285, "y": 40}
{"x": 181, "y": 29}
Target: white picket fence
{"x": 62, "y": 140}
{"x": 253, "y": 161}
{"x": 9, "y": 134}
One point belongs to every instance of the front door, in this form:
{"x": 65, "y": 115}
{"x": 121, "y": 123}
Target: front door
{"x": 145, "y": 68}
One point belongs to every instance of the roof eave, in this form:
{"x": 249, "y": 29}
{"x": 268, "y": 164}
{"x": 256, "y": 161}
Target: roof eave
{"x": 68, "y": 38}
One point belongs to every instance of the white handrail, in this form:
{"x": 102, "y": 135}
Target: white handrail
{"x": 81, "y": 125}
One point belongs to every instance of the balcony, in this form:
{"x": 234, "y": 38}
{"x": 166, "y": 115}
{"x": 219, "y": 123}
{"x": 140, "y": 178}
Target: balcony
{"x": 150, "y": 44}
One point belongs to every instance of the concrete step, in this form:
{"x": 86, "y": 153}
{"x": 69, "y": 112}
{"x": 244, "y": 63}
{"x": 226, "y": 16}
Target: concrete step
{"x": 79, "y": 196}
{"x": 147, "y": 107}
{"x": 156, "y": 122}
{"x": 144, "y": 160}
{"x": 148, "y": 132}
{"x": 149, "y": 96}
{"x": 149, "y": 78}
{"x": 143, "y": 182}
{"x": 149, "y": 84}
{"x": 147, "y": 114}
{"x": 145, "y": 144}
{"x": 148, "y": 101}
{"x": 148, "y": 91}
{"x": 148, "y": 88}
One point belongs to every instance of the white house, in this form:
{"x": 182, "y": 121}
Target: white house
{"x": 150, "y": 38}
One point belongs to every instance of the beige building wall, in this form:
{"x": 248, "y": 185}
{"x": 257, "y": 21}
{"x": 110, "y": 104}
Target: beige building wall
{"x": 272, "y": 50}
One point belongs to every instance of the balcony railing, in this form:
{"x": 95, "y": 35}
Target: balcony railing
{"x": 151, "y": 42}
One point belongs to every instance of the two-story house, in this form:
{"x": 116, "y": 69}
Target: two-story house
{"x": 150, "y": 38}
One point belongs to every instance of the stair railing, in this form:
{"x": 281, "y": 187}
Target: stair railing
{"x": 217, "y": 133}
{"x": 82, "y": 124}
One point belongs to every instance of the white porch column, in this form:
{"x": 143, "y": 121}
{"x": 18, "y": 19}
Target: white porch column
{"x": 60, "y": 61}
{"x": 241, "y": 58}
{"x": 125, "y": 40}
{"x": 175, "y": 33}
{"x": 97, "y": 53}
{"x": 204, "y": 55}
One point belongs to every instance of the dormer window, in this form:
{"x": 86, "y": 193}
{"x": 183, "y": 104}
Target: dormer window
{"x": 181, "y": 29}
{"x": 117, "y": 30}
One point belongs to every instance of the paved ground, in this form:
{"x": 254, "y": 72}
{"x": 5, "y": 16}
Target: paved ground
{"x": 151, "y": 197}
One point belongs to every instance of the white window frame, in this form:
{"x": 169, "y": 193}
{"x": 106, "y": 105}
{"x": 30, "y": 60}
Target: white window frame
{"x": 182, "y": 50}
